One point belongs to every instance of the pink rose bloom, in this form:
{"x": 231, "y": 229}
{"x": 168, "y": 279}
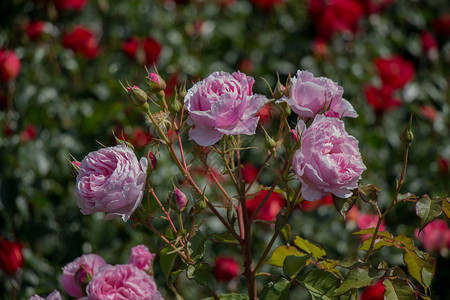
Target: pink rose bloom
{"x": 435, "y": 236}
{"x": 310, "y": 95}
{"x": 222, "y": 104}
{"x": 367, "y": 221}
{"x": 328, "y": 160}
{"x": 142, "y": 258}
{"x": 74, "y": 273}
{"x": 55, "y": 295}
{"x": 111, "y": 180}
{"x": 122, "y": 282}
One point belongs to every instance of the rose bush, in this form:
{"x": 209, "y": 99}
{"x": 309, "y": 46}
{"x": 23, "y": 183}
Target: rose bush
{"x": 111, "y": 180}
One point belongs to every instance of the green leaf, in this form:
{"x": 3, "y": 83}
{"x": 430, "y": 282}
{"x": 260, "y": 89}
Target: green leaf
{"x": 446, "y": 204}
{"x": 166, "y": 261}
{"x": 343, "y": 206}
{"x": 276, "y": 291}
{"x": 357, "y": 278}
{"x": 371, "y": 231}
{"x": 352, "y": 262}
{"x": 309, "y": 247}
{"x": 202, "y": 273}
{"x": 398, "y": 289}
{"x": 226, "y": 237}
{"x": 320, "y": 284}
{"x": 379, "y": 243}
{"x": 428, "y": 209}
{"x": 406, "y": 196}
{"x": 293, "y": 265}
{"x": 286, "y": 233}
{"x": 280, "y": 253}
{"x": 406, "y": 241}
{"x": 229, "y": 296}
{"x": 415, "y": 265}
{"x": 368, "y": 193}
{"x": 198, "y": 245}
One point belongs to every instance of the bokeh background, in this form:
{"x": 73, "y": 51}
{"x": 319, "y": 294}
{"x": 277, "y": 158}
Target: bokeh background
{"x": 60, "y": 66}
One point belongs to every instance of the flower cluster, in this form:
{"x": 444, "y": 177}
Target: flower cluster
{"x": 90, "y": 276}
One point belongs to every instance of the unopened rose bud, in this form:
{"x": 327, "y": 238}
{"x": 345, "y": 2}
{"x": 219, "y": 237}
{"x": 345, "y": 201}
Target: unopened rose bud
{"x": 156, "y": 83}
{"x": 270, "y": 142}
{"x": 407, "y": 135}
{"x": 280, "y": 90}
{"x": 152, "y": 160}
{"x": 180, "y": 200}
{"x": 138, "y": 96}
{"x": 231, "y": 214}
{"x": 182, "y": 92}
{"x": 175, "y": 105}
{"x": 75, "y": 167}
{"x": 201, "y": 203}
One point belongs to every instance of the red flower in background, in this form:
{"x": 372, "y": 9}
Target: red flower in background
{"x": 270, "y": 209}
{"x": 150, "y": 47}
{"x": 373, "y": 292}
{"x": 314, "y": 205}
{"x": 9, "y": 65}
{"x": 381, "y": 100}
{"x": 335, "y": 16}
{"x": 265, "y": 113}
{"x": 11, "y": 257}
{"x": 226, "y": 268}
{"x": 28, "y": 134}
{"x": 435, "y": 236}
{"x": 70, "y": 4}
{"x": 428, "y": 41}
{"x": 429, "y": 112}
{"x": 319, "y": 48}
{"x": 82, "y": 41}
{"x": 35, "y": 29}
{"x": 367, "y": 221}
{"x": 443, "y": 166}
{"x": 249, "y": 172}
{"x": 395, "y": 71}
{"x": 266, "y": 5}
{"x": 442, "y": 25}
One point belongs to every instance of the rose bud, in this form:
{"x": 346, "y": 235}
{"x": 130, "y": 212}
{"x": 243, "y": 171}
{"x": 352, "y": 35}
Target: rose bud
{"x": 152, "y": 160}
{"x": 374, "y": 292}
{"x": 226, "y": 268}
{"x": 11, "y": 257}
{"x": 138, "y": 96}
{"x": 180, "y": 200}
{"x": 155, "y": 82}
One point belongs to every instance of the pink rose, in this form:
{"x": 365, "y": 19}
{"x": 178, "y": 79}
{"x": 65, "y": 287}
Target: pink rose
{"x": 111, "y": 180}
{"x": 74, "y": 273}
{"x": 142, "y": 258}
{"x": 328, "y": 160}
{"x": 435, "y": 236}
{"x": 122, "y": 282}
{"x": 55, "y": 295}
{"x": 9, "y": 65}
{"x": 226, "y": 268}
{"x": 310, "y": 95}
{"x": 222, "y": 104}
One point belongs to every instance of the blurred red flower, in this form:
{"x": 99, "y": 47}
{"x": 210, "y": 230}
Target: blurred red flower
{"x": 226, "y": 268}
{"x": 429, "y": 112}
{"x": 443, "y": 166}
{"x": 428, "y": 41}
{"x": 35, "y": 30}
{"x": 270, "y": 209}
{"x": 11, "y": 257}
{"x": 367, "y": 221}
{"x": 335, "y": 16}
{"x": 29, "y": 133}
{"x": 314, "y": 205}
{"x": 381, "y": 100}
{"x": 249, "y": 172}
{"x": 374, "y": 6}
{"x": 395, "y": 71}
{"x": 374, "y": 292}
{"x": 82, "y": 41}
{"x": 435, "y": 236}
{"x": 442, "y": 25}
{"x": 9, "y": 65}
{"x": 150, "y": 47}
{"x": 265, "y": 114}
{"x": 70, "y": 4}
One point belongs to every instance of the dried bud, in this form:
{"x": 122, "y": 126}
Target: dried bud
{"x": 231, "y": 214}
{"x": 156, "y": 83}
{"x": 270, "y": 142}
{"x": 175, "y": 105}
{"x": 162, "y": 119}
